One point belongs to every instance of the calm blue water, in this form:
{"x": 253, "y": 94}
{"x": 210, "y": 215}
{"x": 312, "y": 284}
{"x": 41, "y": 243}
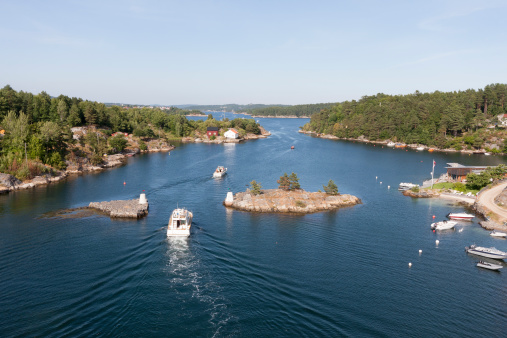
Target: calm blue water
{"x": 342, "y": 273}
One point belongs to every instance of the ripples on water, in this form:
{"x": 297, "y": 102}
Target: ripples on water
{"x": 241, "y": 274}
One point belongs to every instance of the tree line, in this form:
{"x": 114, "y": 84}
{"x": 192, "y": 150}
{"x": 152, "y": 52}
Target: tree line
{"x": 296, "y": 110}
{"x": 439, "y": 119}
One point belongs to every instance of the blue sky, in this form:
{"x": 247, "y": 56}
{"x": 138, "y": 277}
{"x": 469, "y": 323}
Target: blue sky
{"x": 218, "y": 52}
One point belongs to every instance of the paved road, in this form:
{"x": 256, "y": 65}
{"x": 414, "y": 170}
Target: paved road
{"x": 487, "y": 199}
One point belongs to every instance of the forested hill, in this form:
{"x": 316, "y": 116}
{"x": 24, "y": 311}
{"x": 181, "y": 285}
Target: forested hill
{"x": 302, "y": 110}
{"x": 444, "y": 120}
{"x": 226, "y": 107}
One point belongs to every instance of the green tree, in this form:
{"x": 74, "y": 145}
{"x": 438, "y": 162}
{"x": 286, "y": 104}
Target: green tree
{"x": 331, "y": 188}
{"x": 17, "y": 129}
{"x": 118, "y": 142}
{"x": 294, "y": 182}
{"x": 255, "y": 188}
{"x": 284, "y": 182}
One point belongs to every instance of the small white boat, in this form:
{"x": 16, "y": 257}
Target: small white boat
{"x": 489, "y": 266}
{"x": 391, "y": 144}
{"x": 461, "y": 216}
{"x": 407, "y": 186}
{"x": 179, "y": 223}
{"x": 421, "y": 148}
{"x": 487, "y": 154}
{"x": 486, "y": 252}
{"x": 219, "y": 172}
{"x": 443, "y": 225}
{"x": 495, "y": 233}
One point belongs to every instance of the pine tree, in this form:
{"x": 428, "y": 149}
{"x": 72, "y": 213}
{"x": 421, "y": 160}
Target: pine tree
{"x": 331, "y": 188}
{"x": 284, "y": 182}
{"x": 294, "y": 182}
{"x": 255, "y": 188}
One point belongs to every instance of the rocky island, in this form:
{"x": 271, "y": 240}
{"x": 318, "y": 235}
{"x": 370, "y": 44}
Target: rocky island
{"x": 135, "y": 208}
{"x": 286, "y": 201}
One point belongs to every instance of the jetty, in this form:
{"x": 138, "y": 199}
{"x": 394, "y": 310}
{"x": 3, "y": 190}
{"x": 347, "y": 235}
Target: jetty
{"x": 281, "y": 201}
{"x": 135, "y": 208}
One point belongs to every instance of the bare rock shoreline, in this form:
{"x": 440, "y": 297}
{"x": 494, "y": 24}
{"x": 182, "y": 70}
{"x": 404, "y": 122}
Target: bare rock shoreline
{"x": 123, "y": 209}
{"x": 281, "y": 201}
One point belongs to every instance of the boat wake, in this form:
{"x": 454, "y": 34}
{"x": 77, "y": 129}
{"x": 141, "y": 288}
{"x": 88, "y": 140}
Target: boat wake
{"x": 190, "y": 283}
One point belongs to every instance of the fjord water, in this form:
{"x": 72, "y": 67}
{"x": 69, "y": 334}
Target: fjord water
{"x": 341, "y": 273}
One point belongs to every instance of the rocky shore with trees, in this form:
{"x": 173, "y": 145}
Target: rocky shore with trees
{"x": 290, "y": 198}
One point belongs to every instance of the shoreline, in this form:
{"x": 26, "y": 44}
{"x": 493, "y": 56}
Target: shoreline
{"x": 385, "y": 142}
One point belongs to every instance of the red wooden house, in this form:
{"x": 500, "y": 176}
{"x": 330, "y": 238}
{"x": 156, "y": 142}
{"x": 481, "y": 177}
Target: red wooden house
{"x": 212, "y": 131}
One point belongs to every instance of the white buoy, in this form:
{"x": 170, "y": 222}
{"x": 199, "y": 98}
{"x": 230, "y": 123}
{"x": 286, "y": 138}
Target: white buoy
{"x": 409, "y": 265}
{"x": 380, "y": 182}
{"x": 142, "y": 199}
{"x": 437, "y": 241}
{"x": 376, "y": 177}
{"x": 388, "y": 187}
{"x": 420, "y": 251}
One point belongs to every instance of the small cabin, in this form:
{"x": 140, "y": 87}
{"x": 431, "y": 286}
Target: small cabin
{"x": 459, "y": 172}
{"x": 231, "y": 133}
{"x": 212, "y": 131}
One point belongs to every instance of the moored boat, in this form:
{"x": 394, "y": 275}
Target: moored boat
{"x": 400, "y": 145}
{"x": 495, "y": 233}
{"x": 406, "y": 186}
{"x": 219, "y": 172}
{"x": 421, "y": 148}
{"x": 461, "y": 216}
{"x": 489, "y": 266}
{"x": 443, "y": 225}
{"x": 179, "y": 223}
{"x": 391, "y": 144}
{"x": 486, "y": 252}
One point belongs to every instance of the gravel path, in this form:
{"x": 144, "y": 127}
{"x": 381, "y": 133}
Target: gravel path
{"x": 487, "y": 199}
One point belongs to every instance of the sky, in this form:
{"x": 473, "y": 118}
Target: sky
{"x": 238, "y": 51}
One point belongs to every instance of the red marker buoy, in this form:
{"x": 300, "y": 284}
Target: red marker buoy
{"x": 433, "y": 216}
{"x": 124, "y": 183}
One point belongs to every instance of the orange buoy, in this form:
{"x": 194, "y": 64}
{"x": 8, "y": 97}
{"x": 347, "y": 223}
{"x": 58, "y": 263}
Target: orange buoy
{"x": 124, "y": 183}
{"x": 433, "y": 216}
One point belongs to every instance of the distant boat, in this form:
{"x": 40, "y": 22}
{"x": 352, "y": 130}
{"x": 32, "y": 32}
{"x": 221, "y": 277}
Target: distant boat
{"x": 400, "y": 145}
{"x": 495, "y": 233}
{"x": 486, "y": 252}
{"x": 431, "y": 150}
{"x": 443, "y": 225}
{"x": 391, "y": 144}
{"x": 219, "y": 172}
{"x": 421, "y": 148}
{"x": 406, "y": 186}
{"x": 179, "y": 223}
{"x": 487, "y": 154}
{"x": 461, "y": 216}
{"x": 292, "y": 147}
{"x": 489, "y": 266}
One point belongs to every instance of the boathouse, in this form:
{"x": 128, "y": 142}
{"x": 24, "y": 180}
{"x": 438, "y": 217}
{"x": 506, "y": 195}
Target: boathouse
{"x": 212, "y": 131}
{"x": 231, "y": 133}
{"x": 458, "y": 172}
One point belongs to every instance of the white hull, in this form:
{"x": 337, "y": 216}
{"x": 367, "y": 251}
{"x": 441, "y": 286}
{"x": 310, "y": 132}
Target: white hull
{"x": 486, "y": 252}
{"x": 420, "y": 148}
{"x": 180, "y": 223}
{"x": 489, "y": 266}
{"x": 498, "y": 234}
{"x": 461, "y": 216}
{"x": 219, "y": 172}
{"x": 443, "y": 225}
{"x": 391, "y": 144}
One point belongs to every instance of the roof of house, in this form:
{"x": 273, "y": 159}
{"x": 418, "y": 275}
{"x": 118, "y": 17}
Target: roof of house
{"x": 212, "y": 129}
{"x": 233, "y": 130}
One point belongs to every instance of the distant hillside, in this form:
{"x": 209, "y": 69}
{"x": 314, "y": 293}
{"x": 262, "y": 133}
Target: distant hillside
{"x": 228, "y": 107}
{"x": 301, "y": 110}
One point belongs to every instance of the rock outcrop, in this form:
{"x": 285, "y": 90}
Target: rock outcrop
{"x": 126, "y": 209}
{"x": 422, "y": 193}
{"x": 281, "y": 201}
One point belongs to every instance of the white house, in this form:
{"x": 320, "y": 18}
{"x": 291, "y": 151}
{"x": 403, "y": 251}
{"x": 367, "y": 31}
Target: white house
{"x": 231, "y": 133}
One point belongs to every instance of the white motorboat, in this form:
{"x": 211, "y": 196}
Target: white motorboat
{"x": 421, "y": 148}
{"x": 495, "y": 233}
{"x": 407, "y": 186}
{"x": 486, "y": 252}
{"x": 179, "y": 223}
{"x": 443, "y": 225}
{"x": 391, "y": 144}
{"x": 489, "y": 266}
{"x": 461, "y": 216}
{"x": 219, "y": 172}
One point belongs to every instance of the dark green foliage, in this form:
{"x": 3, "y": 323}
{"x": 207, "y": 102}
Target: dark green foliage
{"x": 331, "y": 188}
{"x": 118, "y": 142}
{"x": 284, "y": 182}
{"x": 479, "y": 181}
{"x": 255, "y": 188}
{"x": 426, "y": 118}
{"x": 294, "y": 182}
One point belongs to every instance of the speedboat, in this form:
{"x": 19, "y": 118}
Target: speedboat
{"x": 407, "y": 186}
{"x": 461, "y": 216}
{"x": 486, "y": 252}
{"x": 443, "y": 225}
{"x": 179, "y": 223}
{"x": 495, "y": 233}
{"x": 219, "y": 172}
{"x": 489, "y": 266}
